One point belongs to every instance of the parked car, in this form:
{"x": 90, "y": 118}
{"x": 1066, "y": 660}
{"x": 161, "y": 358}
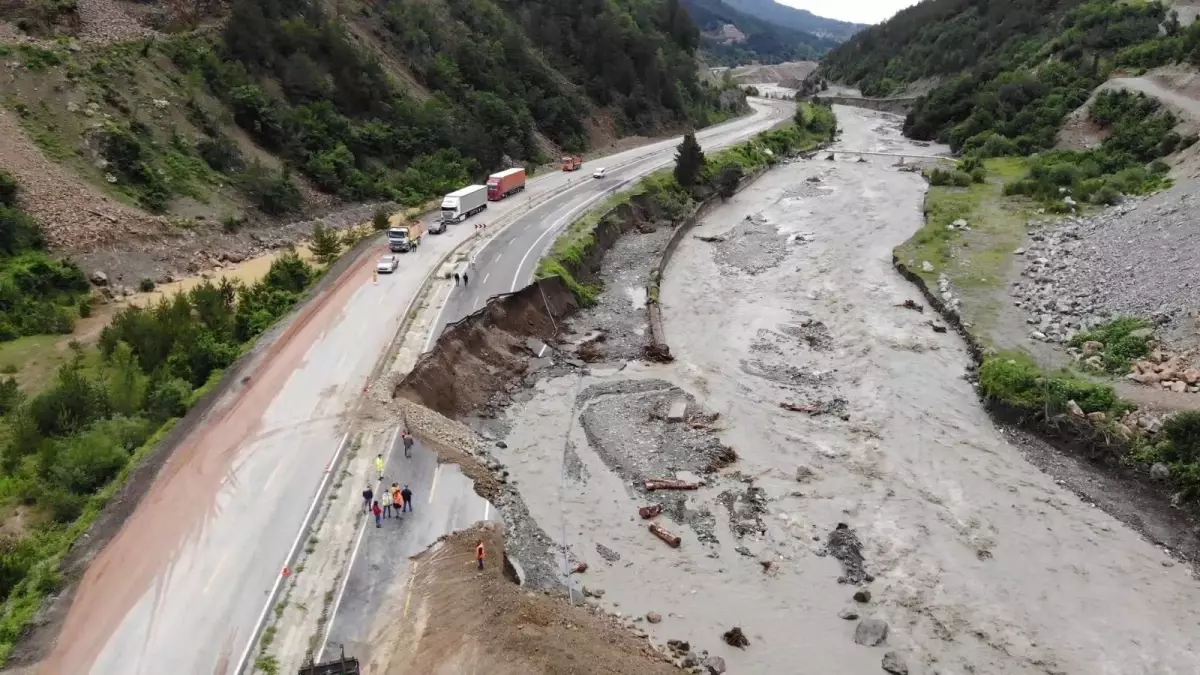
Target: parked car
{"x": 388, "y": 264}
{"x": 599, "y": 173}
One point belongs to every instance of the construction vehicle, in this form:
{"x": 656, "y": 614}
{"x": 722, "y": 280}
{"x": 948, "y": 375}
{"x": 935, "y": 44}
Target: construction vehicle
{"x": 572, "y": 163}
{"x": 404, "y": 236}
{"x": 462, "y": 204}
{"x": 338, "y": 666}
{"x": 505, "y": 183}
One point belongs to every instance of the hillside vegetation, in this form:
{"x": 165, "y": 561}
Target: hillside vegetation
{"x": 797, "y": 19}
{"x": 761, "y": 41}
{"x": 1009, "y": 77}
{"x": 400, "y": 100}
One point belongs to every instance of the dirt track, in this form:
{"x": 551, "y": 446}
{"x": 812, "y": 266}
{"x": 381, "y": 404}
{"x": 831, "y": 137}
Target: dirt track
{"x": 980, "y": 563}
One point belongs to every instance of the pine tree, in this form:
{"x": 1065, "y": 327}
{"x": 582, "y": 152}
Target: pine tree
{"x": 688, "y": 161}
{"x": 126, "y": 384}
{"x": 325, "y": 244}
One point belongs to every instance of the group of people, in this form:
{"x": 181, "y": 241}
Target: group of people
{"x": 397, "y": 499}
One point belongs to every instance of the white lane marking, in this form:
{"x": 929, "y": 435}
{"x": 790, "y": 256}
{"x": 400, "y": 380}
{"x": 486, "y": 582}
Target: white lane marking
{"x": 498, "y": 256}
{"x": 216, "y": 572}
{"x": 262, "y": 617}
{"x": 437, "y": 472}
{"x": 487, "y": 507}
{"x": 485, "y": 277}
{"x": 353, "y": 555}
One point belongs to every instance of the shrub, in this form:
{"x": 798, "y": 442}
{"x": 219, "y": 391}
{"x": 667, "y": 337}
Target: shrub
{"x": 727, "y": 182}
{"x": 1123, "y": 342}
{"x": 1183, "y": 431}
{"x": 380, "y": 220}
{"x": 1020, "y": 383}
{"x": 146, "y": 285}
{"x": 8, "y": 189}
{"x": 221, "y": 153}
{"x": 273, "y": 192}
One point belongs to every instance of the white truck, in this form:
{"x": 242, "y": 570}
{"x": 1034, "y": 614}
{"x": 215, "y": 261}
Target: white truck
{"x": 462, "y": 204}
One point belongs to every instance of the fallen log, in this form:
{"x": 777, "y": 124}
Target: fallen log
{"x": 669, "y": 484}
{"x": 795, "y": 407}
{"x": 911, "y": 304}
{"x": 580, "y": 568}
{"x": 648, "y": 512}
{"x": 672, "y": 540}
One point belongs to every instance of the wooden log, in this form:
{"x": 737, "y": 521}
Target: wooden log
{"x": 648, "y": 512}
{"x": 810, "y": 409}
{"x": 669, "y": 484}
{"x": 672, "y": 540}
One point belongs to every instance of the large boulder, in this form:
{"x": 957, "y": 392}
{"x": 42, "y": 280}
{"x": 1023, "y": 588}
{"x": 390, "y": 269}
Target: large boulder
{"x": 871, "y": 632}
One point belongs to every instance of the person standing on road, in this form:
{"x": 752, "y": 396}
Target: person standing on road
{"x": 378, "y": 512}
{"x": 368, "y": 495}
{"x": 408, "y": 443}
{"x": 465, "y": 283}
{"x": 397, "y": 500}
{"x": 379, "y": 465}
{"x": 406, "y": 495}
{"x": 456, "y": 278}
{"x": 387, "y": 505}
{"x": 479, "y": 553}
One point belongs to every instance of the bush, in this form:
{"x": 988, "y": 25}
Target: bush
{"x": 8, "y": 189}
{"x": 1123, "y": 340}
{"x": 1183, "y": 431}
{"x": 221, "y": 153}
{"x": 146, "y": 285}
{"x": 1021, "y": 384}
{"x": 728, "y": 181}
{"x": 273, "y": 192}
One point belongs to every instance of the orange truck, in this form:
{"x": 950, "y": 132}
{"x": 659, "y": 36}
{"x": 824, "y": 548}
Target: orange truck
{"x": 572, "y": 163}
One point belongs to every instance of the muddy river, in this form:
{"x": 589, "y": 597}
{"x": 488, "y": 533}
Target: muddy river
{"x": 978, "y": 562}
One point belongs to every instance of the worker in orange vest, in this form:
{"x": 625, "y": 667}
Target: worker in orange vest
{"x": 479, "y": 553}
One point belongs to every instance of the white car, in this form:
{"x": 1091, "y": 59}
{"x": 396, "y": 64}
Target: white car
{"x": 388, "y": 264}
{"x": 599, "y": 173}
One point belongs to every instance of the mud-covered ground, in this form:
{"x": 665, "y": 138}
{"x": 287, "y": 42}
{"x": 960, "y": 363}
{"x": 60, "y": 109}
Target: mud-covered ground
{"x": 864, "y": 462}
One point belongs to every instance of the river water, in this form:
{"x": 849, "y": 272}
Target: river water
{"x": 981, "y": 563}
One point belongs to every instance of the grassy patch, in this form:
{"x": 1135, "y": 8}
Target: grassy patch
{"x": 1125, "y": 340}
{"x": 977, "y": 260}
{"x": 1014, "y": 379}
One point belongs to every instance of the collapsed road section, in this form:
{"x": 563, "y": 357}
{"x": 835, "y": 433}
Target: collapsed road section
{"x": 812, "y": 480}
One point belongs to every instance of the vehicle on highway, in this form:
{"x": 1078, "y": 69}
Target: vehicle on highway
{"x": 504, "y": 183}
{"x": 404, "y": 237}
{"x": 438, "y": 226}
{"x": 462, "y": 204}
{"x": 572, "y": 163}
{"x": 338, "y": 666}
{"x": 599, "y": 173}
{"x": 387, "y": 264}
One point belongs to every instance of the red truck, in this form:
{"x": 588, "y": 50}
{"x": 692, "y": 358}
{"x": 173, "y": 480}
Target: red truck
{"x": 505, "y": 183}
{"x": 572, "y": 163}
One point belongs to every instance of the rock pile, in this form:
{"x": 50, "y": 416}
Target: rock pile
{"x": 1173, "y": 372}
{"x": 1130, "y": 259}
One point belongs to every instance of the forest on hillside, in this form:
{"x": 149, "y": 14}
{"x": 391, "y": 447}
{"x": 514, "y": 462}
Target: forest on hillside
{"x": 765, "y": 42}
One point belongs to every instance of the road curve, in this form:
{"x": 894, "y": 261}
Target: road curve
{"x": 507, "y": 262}
{"x": 185, "y": 584}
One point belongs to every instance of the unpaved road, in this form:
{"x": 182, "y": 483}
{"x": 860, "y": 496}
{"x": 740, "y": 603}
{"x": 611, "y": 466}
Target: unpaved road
{"x": 188, "y": 580}
{"x": 981, "y": 563}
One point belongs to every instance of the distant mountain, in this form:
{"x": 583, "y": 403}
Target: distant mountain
{"x": 731, "y": 37}
{"x": 797, "y": 19}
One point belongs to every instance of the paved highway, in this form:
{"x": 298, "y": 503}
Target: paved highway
{"x": 375, "y": 595}
{"x": 186, "y": 584}
{"x": 507, "y": 262}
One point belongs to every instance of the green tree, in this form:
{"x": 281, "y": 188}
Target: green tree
{"x": 325, "y": 244}
{"x": 126, "y": 383}
{"x": 380, "y": 220}
{"x": 689, "y": 161}
{"x": 727, "y": 182}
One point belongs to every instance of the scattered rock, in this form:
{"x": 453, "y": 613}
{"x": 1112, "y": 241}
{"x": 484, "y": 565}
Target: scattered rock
{"x": 607, "y": 553}
{"x": 653, "y": 617}
{"x": 849, "y": 614}
{"x": 1074, "y": 409}
{"x": 893, "y": 664}
{"x": 937, "y": 327}
{"x": 734, "y": 637}
{"x": 99, "y": 278}
{"x": 501, "y": 444}
{"x": 1160, "y": 471}
{"x": 862, "y": 595}
{"x": 805, "y": 473}
{"x": 589, "y": 592}
{"x": 716, "y": 665}
{"x": 844, "y": 545}
{"x": 927, "y": 266}
{"x": 871, "y": 632}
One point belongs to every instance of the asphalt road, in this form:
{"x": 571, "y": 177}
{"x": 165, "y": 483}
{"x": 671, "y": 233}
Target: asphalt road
{"x": 508, "y": 261}
{"x": 186, "y": 584}
{"x": 375, "y": 590}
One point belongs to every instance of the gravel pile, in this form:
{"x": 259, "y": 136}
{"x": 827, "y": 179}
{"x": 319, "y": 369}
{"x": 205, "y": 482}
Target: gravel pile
{"x": 620, "y": 310}
{"x": 1137, "y": 258}
{"x": 752, "y": 247}
{"x": 627, "y": 424}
